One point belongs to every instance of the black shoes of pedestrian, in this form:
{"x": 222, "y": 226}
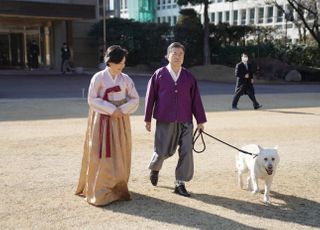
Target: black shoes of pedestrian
{"x": 181, "y": 190}
{"x": 257, "y": 106}
{"x": 154, "y": 176}
{"x": 234, "y": 107}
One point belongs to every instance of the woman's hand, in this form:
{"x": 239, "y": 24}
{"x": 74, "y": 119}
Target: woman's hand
{"x": 117, "y": 114}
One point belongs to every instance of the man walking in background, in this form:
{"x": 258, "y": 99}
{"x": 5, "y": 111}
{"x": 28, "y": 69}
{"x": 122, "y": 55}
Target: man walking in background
{"x": 244, "y": 84}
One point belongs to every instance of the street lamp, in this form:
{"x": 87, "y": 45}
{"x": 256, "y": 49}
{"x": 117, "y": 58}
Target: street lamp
{"x": 258, "y": 54}
{"x": 104, "y": 26}
{"x": 258, "y": 32}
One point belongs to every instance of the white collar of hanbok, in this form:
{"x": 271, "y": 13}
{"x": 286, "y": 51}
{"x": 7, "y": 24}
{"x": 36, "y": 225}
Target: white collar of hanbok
{"x": 174, "y": 76}
{"x": 110, "y": 76}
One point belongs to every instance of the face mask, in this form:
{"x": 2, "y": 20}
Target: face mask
{"x": 244, "y": 59}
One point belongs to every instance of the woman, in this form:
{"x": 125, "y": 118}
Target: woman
{"x": 107, "y": 149}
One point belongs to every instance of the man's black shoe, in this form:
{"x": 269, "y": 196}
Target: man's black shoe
{"x": 257, "y": 106}
{"x": 154, "y": 175}
{"x": 181, "y": 190}
{"x": 234, "y": 107}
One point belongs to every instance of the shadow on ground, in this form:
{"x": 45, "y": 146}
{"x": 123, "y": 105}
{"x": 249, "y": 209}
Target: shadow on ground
{"x": 295, "y": 209}
{"x": 167, "y": 212}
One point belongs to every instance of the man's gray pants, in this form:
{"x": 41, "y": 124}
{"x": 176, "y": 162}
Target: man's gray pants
{"x": 168, "y": 136}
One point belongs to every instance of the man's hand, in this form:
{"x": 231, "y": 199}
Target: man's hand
{"x": 148, "y": 126}
{"x": 200, "y": 127}
{"x": 117, "y": 114}
{"x": 246, "y": 76}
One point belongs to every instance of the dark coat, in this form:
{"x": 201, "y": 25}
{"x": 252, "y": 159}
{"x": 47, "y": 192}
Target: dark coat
{"x": 65, "y": 53}
{"x": 243, "y": 84}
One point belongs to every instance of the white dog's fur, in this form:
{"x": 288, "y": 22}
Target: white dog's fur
{"x": 263, "y": 166}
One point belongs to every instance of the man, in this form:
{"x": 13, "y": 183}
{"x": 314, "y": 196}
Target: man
{"x": 172, "y": 98}
{"x": 33, "y": 54}
{"x": 65, "y": 56}
{"x": 244, "y": 84}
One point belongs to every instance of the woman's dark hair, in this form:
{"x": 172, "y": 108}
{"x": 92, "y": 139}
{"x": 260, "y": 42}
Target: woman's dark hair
{"x": 115, "y": 54}
{"x": 244, "y": 54}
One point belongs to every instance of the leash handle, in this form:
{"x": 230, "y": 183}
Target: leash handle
{"x": 197, "y": 133}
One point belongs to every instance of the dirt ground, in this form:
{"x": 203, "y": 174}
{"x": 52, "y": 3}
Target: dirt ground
{"x": 41, "y": 150}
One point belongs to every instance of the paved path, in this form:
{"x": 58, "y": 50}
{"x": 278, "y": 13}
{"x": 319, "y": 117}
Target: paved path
{"x": 36, "y": 94}
{"x": 75, "y": 86}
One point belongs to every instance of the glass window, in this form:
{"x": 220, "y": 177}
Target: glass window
{"x": 220, "y": 17}
{"x": 213, "y": 17}
{"x": 235, "y": 17}
{"x": 260, "y": 15}
{"x": 270, "y": 15}
{"x": 227, "y": 16}
{"x": 243, "y": 16}
{"x": 252, "y": 11}
{"x": 279, "y": 15}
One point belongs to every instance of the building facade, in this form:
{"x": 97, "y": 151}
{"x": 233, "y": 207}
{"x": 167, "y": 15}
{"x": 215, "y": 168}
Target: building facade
{"x": 243, "y": 12}
{"x": 47, "y": 23}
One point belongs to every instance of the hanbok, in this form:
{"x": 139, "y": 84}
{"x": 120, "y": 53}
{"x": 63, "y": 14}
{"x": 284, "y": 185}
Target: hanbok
{"x": 106, "y": 159}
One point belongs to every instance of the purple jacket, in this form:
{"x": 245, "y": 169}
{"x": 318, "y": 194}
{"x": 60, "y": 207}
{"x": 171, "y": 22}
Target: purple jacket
{"x": 171, "y": 101}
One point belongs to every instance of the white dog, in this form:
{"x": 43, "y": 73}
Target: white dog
{"x": 260, "y": 166}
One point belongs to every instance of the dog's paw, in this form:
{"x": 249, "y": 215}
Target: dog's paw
{"x": 255, "y": 191}
{"x": 266, "y": 200}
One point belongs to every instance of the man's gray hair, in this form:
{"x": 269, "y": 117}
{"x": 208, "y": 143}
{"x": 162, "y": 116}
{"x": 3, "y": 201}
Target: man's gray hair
{"x": 175, "y": 45}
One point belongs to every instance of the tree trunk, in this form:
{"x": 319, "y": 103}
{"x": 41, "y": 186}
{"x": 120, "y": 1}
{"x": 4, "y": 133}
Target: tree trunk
{"x": 206, "y": 46}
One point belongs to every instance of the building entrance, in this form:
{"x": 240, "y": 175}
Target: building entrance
{"x": 15, "y": 47}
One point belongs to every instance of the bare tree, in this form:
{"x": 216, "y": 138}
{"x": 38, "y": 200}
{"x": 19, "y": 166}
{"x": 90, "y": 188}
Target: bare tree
{"x": 308, "y": 15}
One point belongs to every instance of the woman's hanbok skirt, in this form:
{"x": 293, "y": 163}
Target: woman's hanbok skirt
{"x": 104, "y": 180}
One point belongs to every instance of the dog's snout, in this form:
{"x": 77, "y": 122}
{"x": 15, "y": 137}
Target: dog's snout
{"x": 269, "y": 166}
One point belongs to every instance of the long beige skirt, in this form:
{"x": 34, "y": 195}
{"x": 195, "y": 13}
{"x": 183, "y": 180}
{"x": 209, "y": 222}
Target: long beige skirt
{"x": 104, "y": 180}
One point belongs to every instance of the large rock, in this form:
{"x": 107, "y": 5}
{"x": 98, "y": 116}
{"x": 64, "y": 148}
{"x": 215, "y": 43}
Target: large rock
{"x": 293, "y": 75}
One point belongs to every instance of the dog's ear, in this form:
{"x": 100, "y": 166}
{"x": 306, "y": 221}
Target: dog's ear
{"x": 276, "y": 147}
{"x": 260, "y": 148}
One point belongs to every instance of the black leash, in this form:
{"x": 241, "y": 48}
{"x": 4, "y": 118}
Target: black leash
{"x": 199, "y": 133}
